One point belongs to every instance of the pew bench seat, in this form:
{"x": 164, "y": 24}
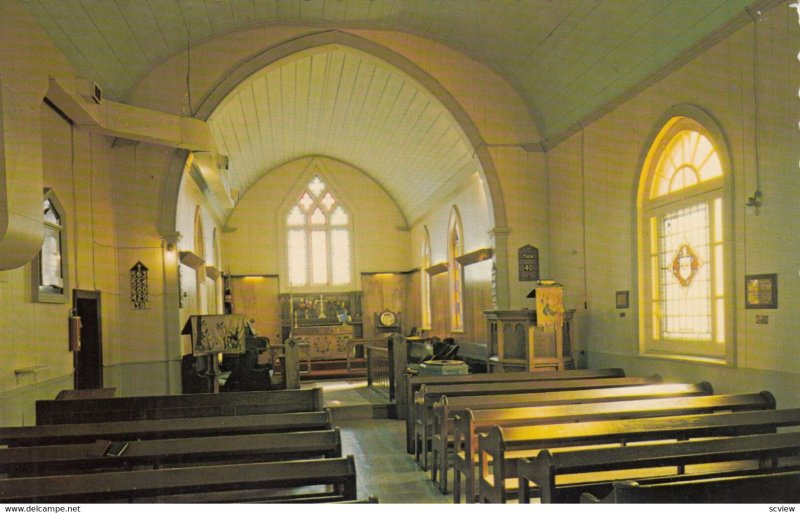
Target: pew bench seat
{"x": 592, "y": 422}
{"x": 84, "y": 458}
{"x": 427, "y": 396}
{"x": 563, "y": 476}
{"x": 622, "y": 424}
{"x": 447, "y": 409}
{"x": 59, "y": 434}
{"x": 780, "y": 487}
{"x": 276, "y": 481}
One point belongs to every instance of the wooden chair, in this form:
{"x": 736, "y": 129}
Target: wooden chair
{"x": 562, "y": 476}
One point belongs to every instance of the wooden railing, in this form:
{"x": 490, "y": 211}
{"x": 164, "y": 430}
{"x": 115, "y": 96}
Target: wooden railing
{"x": 378, "y": 369}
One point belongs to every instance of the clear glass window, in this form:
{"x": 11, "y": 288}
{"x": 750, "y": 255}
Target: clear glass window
{"x": 319, "y": 241}
{"x": 49, "y": 268}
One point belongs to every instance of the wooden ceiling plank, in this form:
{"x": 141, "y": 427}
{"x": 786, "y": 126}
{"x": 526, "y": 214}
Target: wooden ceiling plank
{"x": 244, "y": 13}
{"x": 334, "y": 11}
{"x": 112, "y": 25}
{"x": 220, "y": 14}
{"x": 90, "y": 45}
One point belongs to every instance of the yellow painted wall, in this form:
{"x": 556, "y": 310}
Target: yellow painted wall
{"x": 252, "y": 242}
{"x": 595, "y": 202}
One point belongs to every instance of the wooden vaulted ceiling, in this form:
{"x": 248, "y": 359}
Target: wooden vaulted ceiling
{"x": 345, "y": 104}
{"x": 568, "y": 59}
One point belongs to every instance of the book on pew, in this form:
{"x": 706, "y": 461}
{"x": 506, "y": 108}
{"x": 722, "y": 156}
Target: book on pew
{"x": 116, "y": 449}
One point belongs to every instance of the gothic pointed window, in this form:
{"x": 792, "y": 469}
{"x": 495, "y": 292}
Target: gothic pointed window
{"x": 683, "y": 247}
{"x": 318, "y": 238}
{"x": 49, "y": 272}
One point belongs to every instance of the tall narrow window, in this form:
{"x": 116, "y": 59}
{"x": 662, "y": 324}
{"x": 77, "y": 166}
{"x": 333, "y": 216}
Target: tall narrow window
{"x": 683, "y": 253}
{"x": 318, "y": 238}
{"x": 455, "y": 248}
{"x": 425, "y": 281}
{"x": 49, "y": 272}
{"x": 200, "y": 271}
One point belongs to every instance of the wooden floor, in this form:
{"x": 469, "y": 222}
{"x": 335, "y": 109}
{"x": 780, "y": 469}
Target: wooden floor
{"x": 383, "y": 468}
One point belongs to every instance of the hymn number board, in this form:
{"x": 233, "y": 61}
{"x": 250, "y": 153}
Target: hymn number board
{"x": 528, "y": 257}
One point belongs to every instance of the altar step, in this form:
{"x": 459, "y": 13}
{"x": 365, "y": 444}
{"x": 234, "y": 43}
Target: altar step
{"x": 331, "y": 369}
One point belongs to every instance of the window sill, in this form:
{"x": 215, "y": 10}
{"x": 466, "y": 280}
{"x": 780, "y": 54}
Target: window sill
{"x": 700, "y": 360}
{"x": 43, "y": 297}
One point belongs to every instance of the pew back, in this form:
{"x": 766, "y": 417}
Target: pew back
{"x": 255, "y": 481}
{"x": 82, "y": 458}
{"x": 447, "y": 409}
{"x": 164, "y": 428}
{"x": 775, "y": 487}
{"x": 426, "y": 396}
{"x": 412, "y": 384}
{"x": 591, "y": 467}
{"x": 503, "y": 436}
{"x": 177, "y": 406}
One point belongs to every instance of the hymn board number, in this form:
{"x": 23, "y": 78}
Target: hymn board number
{"x": 528, "y": 257}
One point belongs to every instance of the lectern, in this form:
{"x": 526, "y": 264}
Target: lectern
{"x": 531, "y": 340}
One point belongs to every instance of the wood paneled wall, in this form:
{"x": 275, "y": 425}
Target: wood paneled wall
{"x": 256, "y": 297}
{"x": 385, "y": 291}
{"x": 477, "y": 298}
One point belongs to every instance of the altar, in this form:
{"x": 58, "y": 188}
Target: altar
{"x": 326, "y": 322}
{"x": 324, "y": 342}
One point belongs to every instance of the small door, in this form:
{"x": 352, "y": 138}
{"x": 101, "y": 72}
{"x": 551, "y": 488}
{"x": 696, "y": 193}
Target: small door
{"x": 89, "y": 360}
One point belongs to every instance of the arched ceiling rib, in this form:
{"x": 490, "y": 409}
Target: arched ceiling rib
{"x": 346, "y": 104}
{"x": 568, "y": 58}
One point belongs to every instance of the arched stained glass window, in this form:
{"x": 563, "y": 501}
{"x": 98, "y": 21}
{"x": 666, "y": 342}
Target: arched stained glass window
{"x": 455, "y": 248}
{"x": 425, "y": 281}
{"x": 683, "y": 253}
{"x": 318, "y": 238}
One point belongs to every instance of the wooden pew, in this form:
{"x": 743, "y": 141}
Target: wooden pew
{"x": 90, "y": 393}
{"x": 83, "y": 458}
{"x": 164, "y": 428}
{"x": 503, "y": 438}
{"x": 504, "y": 446}
{"x": 274, "y": 481}
{"x": 177, "y": 406}
{"x": 771, "y": 487}
{"x": 405, "y": 406}
{"x": 563, "y": 476}
{"x": 446, "y": 409}
{"x": 427, "y": 395}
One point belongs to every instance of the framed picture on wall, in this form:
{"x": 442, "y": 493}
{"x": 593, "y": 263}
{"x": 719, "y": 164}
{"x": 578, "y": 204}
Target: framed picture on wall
{"x": 622, "y": 299}
{"x": 761, "y": 291}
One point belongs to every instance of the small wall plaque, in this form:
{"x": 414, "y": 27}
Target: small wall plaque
{"x": 528, "y": 260}
{"x": 139, "y": 288}
{"x": 622, "y": 299}
{"x": 761, "y": 291}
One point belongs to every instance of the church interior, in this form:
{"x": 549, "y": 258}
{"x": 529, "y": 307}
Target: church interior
{"x": 346, "y": 183}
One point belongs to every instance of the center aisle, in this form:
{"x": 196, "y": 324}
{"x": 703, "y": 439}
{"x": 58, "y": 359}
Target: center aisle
{"x": 383, "y": 468}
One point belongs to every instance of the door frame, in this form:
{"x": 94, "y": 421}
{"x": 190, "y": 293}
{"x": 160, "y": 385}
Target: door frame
{"x": 90, "y": 295}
